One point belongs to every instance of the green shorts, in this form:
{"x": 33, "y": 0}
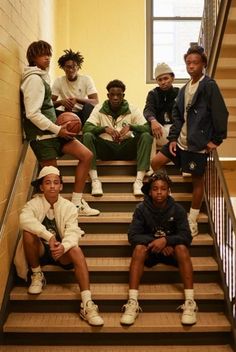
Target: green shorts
{"x": 48, "y": 149}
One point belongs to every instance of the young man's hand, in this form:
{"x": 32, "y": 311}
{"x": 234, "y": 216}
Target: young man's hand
{"x": 56, "y": 248}
{"x": 168, "y": 251}
{"x": 64, "y": 133}
{"x": 211, "y": 146}
{"x": 68, "y": 103}
{"x": 124, "y": 131}
{"x": 113, "y": 133}
{"x": 173, "y": 147}
{"x": 157, "y": 245}
{"x": 156, "y": 129}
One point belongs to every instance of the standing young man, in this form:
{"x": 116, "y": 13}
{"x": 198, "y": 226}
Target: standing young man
{"x": 159, "y": 105}
{"x": 117, "y": 130}
{"x": 51, "y": 236}
{"x": 199, "y": 126}
{"x": 159, "y": 233}
{"x": 74, "y": 92}
{"x": 48, "y": 140}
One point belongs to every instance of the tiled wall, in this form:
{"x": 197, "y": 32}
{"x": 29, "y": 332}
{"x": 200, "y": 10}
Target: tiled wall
{"x": 21, "y": 22}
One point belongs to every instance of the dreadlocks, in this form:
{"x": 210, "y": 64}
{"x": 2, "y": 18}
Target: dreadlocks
{"x": 37, "y": 49}
{"x": 70, "y": 55}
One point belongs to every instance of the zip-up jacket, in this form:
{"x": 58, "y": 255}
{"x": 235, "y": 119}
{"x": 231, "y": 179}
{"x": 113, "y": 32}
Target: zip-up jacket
{"x": 206, "y": 117}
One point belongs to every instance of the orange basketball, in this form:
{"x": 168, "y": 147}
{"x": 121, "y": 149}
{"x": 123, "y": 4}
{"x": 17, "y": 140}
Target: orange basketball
{"x": 75, "y": 122}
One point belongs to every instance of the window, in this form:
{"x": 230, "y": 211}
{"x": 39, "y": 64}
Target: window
{"x": 171, "y": 26}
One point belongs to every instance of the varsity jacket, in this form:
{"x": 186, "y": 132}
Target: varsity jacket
{"x": 31, "y": 218}
{"x": 207, "y": 116}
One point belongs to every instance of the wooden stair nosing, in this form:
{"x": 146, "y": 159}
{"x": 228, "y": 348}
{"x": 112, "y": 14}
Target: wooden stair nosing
{"x": 125, "y": 179}
{"x": 122, "y": 217}
{"x": 117, "y": 239}
{"x": 111, "y": 292}
{"x": 115, "y": 264}
{"x": 146, "y": 323}
{"x": 143, "y": 348}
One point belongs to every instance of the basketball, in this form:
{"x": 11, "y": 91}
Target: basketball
{"x": 75, "y": 122}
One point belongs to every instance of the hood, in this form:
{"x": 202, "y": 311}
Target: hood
{"x": 34, "y": 70}
{"x": 148, "y": 203}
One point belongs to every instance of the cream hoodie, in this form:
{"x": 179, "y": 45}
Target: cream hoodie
{"x": 33, "y": 91}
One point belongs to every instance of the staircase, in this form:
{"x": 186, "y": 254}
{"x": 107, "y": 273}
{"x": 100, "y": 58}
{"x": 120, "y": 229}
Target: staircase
{"x": 225, "y": 76}
{"x": 50, "y": 321}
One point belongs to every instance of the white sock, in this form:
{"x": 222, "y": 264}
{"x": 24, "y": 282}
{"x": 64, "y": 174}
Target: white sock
{"x": 76, "y": 198}
{"x": 193, "y": 214}
{"x": 85, "y": 296}
{"x": 36, "y": 270}
{"x": 133, "y": 294}
{"x": 93, "y": 174}
{"x": 140, "y": 175}
{"x": 189, "y": 294}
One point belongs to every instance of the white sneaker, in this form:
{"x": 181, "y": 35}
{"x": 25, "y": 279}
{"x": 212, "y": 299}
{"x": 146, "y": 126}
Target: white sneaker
{"x": 138, "y": 184}
{"x": 90, "y": 314}
{"x": 37, "y": 283}
{"x": 189, "y": 316}
{"x": 96, "y": 187}
{"x": 186, "y": 174}
{"x": 85, "y": 210}
{"x": 131, "y": 310}
{"x": 193, "y": 227}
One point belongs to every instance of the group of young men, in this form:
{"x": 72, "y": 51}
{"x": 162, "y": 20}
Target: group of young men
{"x": 186, "y": 124}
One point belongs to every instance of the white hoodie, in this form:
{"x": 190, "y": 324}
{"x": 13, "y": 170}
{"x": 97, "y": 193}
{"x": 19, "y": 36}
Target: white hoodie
{"x": 33, "y": 91}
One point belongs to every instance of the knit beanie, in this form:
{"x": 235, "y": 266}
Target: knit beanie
{"x": 161, "y": 69}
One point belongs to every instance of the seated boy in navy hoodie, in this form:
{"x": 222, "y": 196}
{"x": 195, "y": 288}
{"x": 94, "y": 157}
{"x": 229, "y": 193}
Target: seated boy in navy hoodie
{"x": 159, "y": 233}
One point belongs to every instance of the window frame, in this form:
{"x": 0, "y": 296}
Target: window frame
{"x": 150, "y": 19}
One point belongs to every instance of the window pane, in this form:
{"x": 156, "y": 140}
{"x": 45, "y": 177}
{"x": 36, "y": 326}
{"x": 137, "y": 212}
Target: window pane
{"x": 172, "y": 8}
{"x": 171, "y": 40}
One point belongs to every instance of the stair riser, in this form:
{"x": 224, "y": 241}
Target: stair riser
{"x": 121, "y": 227}
{"x": 115, "y": 339}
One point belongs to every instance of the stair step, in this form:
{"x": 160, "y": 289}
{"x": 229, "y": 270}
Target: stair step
{"x": 112, "y": 264}
{"x": 127, "y": 197}
{"x": 122, "y": 217}
{"x": 121, "y": 239}
{"x": 125, "y": 179}
{"x": 72, "y": 162}
{"x": 146, "y": 323}
{"x": 186, "y": 348}
{"x": 202, "y": 291}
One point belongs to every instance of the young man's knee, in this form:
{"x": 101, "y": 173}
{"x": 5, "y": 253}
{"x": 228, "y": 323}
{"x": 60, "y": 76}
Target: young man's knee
{"x": 146, "y": 137}
{"x": 139, "y": 251}
{"x": 181, "y": 251}
{"x": 88, "y": 137}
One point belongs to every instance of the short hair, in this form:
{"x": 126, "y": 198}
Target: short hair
{"x": 160, "y": 175}
{"x": 116, "y": 83}
{"x": 37, "y": 49}
{"x": 197, "y": 49}
{"x": 70, "y": 55}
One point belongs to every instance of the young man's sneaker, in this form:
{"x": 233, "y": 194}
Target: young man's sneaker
{"x": 189, "y": 316}
{"x": 96, "y": 188}
{"x": 37, "y": 283}
{"x": 193, "y": 227}
{"x": 90, "y": 314}
{"x": 85, "y": 210}
{"x": 138, "y": 184}
{"x": 131, "y": 310}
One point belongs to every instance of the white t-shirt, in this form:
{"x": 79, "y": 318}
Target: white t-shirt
{"x": 81, "y": 88}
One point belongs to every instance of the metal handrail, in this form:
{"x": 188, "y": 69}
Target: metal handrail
{"x": 13, "y": 188}
{"x": 224, "y": 230}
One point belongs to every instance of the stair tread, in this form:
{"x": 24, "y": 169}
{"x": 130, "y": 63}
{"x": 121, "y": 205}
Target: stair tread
{"x": 122, "y": 264}
{"x": 119, "y": 291}
{"x": 126, "y": 179}
{"x": 185, "y": 348}
{"x": 121, "y": 239}
{"x": 122, "y": 217}
{"x": 125, "y": 197}
{"x": 72, "y": 162}
{"x": 147, "y": 322}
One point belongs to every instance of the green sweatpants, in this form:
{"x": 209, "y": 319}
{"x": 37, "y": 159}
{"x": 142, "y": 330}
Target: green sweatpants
{"x": 136, "y": 148}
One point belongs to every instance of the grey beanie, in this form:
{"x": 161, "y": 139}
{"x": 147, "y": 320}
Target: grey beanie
{"x": 161, "y": 69}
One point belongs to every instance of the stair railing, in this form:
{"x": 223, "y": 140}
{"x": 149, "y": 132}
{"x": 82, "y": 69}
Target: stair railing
{"x": 223, "y": 224}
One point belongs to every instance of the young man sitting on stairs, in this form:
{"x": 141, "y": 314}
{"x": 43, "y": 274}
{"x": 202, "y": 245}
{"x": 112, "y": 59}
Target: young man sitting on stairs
{"x": 116, "y": 130}
{"x": 159, "y": 233}
{"x": 48, "y": 140}
{"x": 50, "y": 236}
